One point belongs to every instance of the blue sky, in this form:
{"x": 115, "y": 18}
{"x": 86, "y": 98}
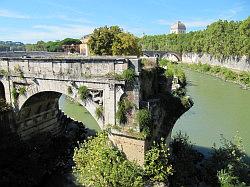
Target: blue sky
{"x": 32, "y": 20}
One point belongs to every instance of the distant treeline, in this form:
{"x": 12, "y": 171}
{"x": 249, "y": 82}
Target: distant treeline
{"x": 220, "y": 39}
{"x": 51, "y": 46}
{"x": 11, "y": 46}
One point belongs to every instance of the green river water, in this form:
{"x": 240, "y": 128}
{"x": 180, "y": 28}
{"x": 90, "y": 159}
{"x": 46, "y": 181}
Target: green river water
{"x": 219, "y": 108}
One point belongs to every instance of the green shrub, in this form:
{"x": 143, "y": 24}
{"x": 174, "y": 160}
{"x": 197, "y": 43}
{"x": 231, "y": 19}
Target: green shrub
{"x": 143, "y": 117}
{"x": 226, "y": 179}
{"x": 83, "y": 92}
{"x": 244, "y": 77}
{"x": 22, "y": 90}
{"x": 128, "y": 75}
{"x": 124, "y": 107}
{"x": 15, "y": 94}
{"x": 230, "y": 75}
{"x": 99, "y": 112}
{"x": 164, "y": 62}
{"x": 98, "y": 163}
{"x": 229, "y": 159}
{"x": 169, "y": 73}
{"x": 3, "y": 72}
{"x": 157, "y": 165}
{"x": 179, "y": 73}
{"x": 205, "y": 67}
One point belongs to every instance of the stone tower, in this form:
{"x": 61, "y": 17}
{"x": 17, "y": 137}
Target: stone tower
{"x": 178, "y": 28}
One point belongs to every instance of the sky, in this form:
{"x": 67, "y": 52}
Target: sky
{"x": 29, "y": 21}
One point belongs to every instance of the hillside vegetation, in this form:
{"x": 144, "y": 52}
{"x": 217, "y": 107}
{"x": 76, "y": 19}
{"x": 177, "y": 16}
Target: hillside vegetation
{"x": 220, "y": 39}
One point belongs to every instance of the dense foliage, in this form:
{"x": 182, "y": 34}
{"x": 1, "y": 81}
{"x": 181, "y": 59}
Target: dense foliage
{"x": 51, "y": 46}
{"x": 98, "y": 163}
{"x": 113, "y": 41}
{"x": 220, "y": 39}
{"x": 226, "y": 166}
{"x": 227, "y": 160}
{"x": 11, "y": 46}
{"x": 242, "y": 78}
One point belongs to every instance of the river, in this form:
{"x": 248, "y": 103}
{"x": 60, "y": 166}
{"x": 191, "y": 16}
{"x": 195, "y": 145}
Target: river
{"x": 219, "y": 108}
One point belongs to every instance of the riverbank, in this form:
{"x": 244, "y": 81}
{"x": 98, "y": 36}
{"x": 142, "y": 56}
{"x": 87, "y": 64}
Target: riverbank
{"x": 241, "y": 78}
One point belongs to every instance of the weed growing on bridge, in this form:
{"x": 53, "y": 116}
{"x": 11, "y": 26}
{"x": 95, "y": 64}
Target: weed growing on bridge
{"x": 99, "y": 112}
{"x": 22, "y": 90}
{"x": 17, "y": 69}
{"x": 173, "y": 71}
{"x": 69, "y": 90}
{"x": 124, "y": 107}
{"x": 3, "y": 73}
{"x": 15, "y": 94}
{"x": 83, "y": 92}
{"x": 143, "y": 118}
{"x": 128, "y": 75}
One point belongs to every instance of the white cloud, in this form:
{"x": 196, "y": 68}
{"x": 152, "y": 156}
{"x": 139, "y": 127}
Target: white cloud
{"x": 47, "y": 32}
{"x": 11, "y": 14}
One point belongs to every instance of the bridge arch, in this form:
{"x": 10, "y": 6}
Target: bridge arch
{"x": 172, "y": 56}
{"x": 49, "y": 90}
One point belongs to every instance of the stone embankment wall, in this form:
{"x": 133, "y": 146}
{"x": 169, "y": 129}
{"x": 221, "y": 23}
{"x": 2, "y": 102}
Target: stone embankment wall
{"x": 234, "y": 63}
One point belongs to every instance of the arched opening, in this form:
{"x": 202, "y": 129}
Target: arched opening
{"x": 2, "y": 91}
{"x": 172, "y": 57}
{"x": 47, "y": 101}
{"x": 157, "y": 55}
{"x": 46, "y": 155}
{"x": 77, "y": 112}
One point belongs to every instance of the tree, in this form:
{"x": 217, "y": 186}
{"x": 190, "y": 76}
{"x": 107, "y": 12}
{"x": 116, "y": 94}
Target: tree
{"x": 113, "y": 41}
{"x": 70, "y": 41}
{"x": 126, "y": 44}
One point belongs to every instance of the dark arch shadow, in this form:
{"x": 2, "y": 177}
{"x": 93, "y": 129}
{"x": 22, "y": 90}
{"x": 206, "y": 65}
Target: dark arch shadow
{"x": 2, "y": 91}
{"x": 35, "y": 161}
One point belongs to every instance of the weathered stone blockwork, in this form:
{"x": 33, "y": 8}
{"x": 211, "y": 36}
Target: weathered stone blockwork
{"x": 236, "y": 63}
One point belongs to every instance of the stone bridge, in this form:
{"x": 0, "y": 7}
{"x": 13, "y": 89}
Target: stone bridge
{"x": 169, "y": 55}
{"x": 34, "y": 85}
